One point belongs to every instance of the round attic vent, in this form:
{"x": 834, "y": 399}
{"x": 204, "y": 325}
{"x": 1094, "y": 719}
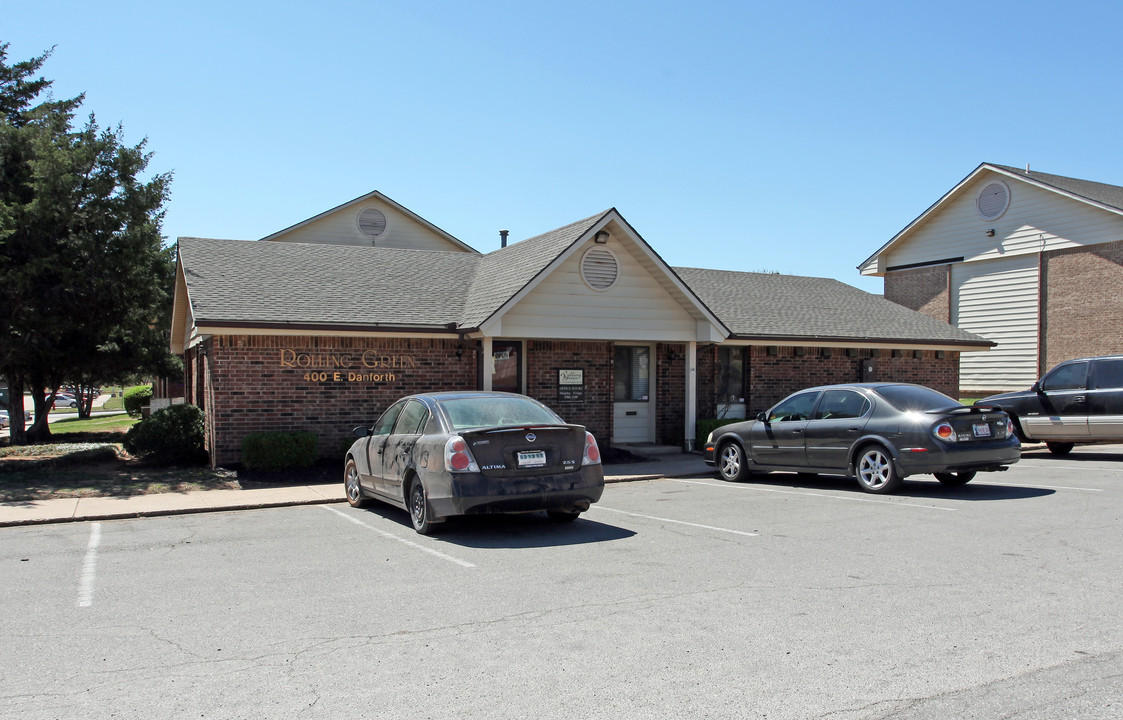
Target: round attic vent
{"x": 993, "y": 200}
{"x": 372, "y": 222}
{"x": 599, "y": 268}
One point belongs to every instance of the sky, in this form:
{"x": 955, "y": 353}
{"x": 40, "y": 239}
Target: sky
{"x": 792, "y": 137}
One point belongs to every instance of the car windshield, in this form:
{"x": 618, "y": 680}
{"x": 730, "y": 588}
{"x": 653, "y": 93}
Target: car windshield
{"x": 477, "y": 412}
{"x": 913, "y": 398}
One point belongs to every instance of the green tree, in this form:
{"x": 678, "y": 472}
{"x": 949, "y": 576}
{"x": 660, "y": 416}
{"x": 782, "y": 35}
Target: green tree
{"x": 84, "y": 280}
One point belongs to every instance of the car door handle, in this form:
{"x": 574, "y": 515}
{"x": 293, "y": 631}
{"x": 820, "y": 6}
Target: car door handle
{"x": 854, "y": 429}
{"x": 797, "y": 431}
{"x": 1078, "y": 398}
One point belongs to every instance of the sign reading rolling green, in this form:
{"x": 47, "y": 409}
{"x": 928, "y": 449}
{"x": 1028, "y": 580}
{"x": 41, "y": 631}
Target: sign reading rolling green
{"x": 368, "y": 366}
{"x": 571, "y": 385}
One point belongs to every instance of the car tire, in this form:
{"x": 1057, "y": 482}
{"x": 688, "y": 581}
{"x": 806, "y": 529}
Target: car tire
{"x": 419, "y": 512}
{"x": 731, "y": 462}
{"x": 954, "y": 479}
{"x": 875, "y": 471}
{"x": 74, "y": 404}
{"x": 563, "y": 516}
{"x": 355, "y": 495}
{"x": 1060, "y": 448}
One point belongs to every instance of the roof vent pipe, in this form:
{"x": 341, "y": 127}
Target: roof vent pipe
{"x": 503, "y": 238}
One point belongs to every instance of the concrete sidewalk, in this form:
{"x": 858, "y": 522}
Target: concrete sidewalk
{"x": 34, "y": 512}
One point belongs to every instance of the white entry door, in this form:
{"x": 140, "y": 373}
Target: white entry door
{"x": 633, "y": 408}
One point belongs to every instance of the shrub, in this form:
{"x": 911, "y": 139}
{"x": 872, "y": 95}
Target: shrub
{"x": 279, "y": 450}
{"x": 173, "y": 435}
{"x": 703, "y": 428}
{"x": 135, "y": 398}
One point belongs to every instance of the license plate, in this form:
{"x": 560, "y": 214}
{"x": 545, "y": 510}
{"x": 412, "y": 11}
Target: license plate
{"x": 532, "y": 458}
{"x": 982, "y": 430}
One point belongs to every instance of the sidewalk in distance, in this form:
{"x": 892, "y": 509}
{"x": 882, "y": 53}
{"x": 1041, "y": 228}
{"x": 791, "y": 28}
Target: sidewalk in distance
{"x": 109, "y": 508}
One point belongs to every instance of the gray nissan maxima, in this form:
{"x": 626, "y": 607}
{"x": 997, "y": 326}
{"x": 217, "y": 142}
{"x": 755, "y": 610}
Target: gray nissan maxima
{"x": 878, "y": 433}
{"x": 460, "y": 453}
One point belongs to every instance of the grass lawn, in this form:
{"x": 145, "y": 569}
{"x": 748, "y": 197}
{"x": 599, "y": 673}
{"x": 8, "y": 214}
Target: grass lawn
{"x": 106, "y": 423}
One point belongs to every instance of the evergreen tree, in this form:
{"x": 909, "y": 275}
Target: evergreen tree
{"x": 84, "y": 280}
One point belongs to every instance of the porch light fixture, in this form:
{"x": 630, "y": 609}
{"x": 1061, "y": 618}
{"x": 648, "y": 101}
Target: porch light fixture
{"x": 990, "y": 232}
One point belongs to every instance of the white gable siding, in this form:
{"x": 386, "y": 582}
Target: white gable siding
{"x": 341, "y": 228}
{"x": 635, "y": 308}
{"x": 1036, "y": 220}
{"x": 998, "y": 299}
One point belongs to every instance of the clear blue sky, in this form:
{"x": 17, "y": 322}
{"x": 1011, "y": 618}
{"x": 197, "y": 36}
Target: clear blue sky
{"x": 789, "y": 136}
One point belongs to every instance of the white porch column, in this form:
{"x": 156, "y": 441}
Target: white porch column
{"x": 691, "y": 393}
{"x": 489, "y": 363}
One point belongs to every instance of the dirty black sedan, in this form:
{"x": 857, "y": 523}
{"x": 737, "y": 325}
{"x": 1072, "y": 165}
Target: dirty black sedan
{"x": 878, "y": 433}
{"x": 461, "y": 453}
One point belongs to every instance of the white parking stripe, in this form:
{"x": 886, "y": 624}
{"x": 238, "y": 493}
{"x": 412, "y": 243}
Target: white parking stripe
{"x": 89, "y": 568}
{"x": 677, "y": 522}
{"x": 388, "y": 536}
{"x": 1046, "y": 465}
{"x": 757, "y": 488}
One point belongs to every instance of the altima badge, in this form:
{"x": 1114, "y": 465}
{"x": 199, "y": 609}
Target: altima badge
{"x": 531, "y": 437}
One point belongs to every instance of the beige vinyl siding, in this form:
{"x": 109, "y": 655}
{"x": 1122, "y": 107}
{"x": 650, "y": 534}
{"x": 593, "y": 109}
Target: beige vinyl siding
{"x": 1036, "y": 220}
{"x": 636, "y": 307}
{"x": 341, "y": 228}
{"x": 998, "y": 299}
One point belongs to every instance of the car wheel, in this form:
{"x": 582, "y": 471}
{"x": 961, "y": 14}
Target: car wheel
{"x": 74, "y": 404}
{"x": 563, "y": 516}
{"x": 355, "y": 495}
{"x": 419, "y": 512}
{"x": 731, "y": 463}
{"x": 1060, "y": 448}
{"x": 955, "y": 478}
{"x": 876, "y": 473}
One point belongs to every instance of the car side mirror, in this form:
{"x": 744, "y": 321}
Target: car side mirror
{"x": 361, "y": 432}
{"x": 1036, "y": 387}
{"x": 762, "y": 416}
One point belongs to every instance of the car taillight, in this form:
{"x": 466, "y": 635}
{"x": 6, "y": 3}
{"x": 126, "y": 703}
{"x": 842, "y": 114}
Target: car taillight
{"x": 944, "y": 431}
{"x": 457, "y": 456}
{"x": 1009, "y": 427}
{"x": 592, "y": 452}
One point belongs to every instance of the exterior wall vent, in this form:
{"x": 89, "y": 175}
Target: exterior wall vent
{"x": 372, "y": 222}
{"x": 599, "y": 268}
{"x": 993, "y": 200}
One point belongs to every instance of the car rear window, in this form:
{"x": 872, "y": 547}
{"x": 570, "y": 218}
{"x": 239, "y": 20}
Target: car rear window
{"x": 912, "y": 398}
{"x": 476, "y": 412}
{"x": 1107, "y": 375}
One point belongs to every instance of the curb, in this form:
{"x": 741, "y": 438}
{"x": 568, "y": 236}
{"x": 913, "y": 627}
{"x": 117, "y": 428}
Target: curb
{"x": 259, "y": 505}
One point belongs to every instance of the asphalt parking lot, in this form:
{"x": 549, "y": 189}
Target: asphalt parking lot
{"x": 784, "y": 597}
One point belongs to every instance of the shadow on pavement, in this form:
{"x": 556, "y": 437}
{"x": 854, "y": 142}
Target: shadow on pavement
{"x": 920, "y": 486}
{"x": 1079, "y": 454}
{"x": 521, "y": 530}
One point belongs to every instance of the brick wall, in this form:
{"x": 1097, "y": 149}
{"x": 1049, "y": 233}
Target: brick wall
{"x": 922, "y": 289}
{"x": 707, "y": 391}
{"x": 323, "y": 385}
{"x": 251, "y": 384}
{"x": 1083, "y": 303}
{"x": 773, "y": 377}
{"x": 546, "y": 357}
{"x": 670, "y": 398}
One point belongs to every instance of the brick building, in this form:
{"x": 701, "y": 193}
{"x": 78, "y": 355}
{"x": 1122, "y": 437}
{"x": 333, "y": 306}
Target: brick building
{"x": 1029, "y": 260}
{"x": 322, "y": 325}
